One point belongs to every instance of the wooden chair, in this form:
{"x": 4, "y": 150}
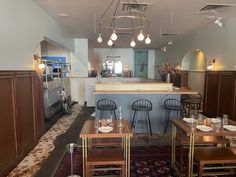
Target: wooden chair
{"x": 183, "y": 140}
{"x": 224, "y": 156}
{"x": 105, "y": 156}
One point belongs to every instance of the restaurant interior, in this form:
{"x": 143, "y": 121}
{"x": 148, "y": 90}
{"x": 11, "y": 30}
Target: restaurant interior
{"x": 132, "y": 88}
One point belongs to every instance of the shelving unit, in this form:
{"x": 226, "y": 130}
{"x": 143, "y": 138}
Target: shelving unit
{"x": 56, "y": 78}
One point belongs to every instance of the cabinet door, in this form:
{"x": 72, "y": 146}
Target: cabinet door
{"x": 211, "y": 94}
{"x": 25, "y": 112}
{"x": 8, "y": 149}
{"x": 226, "y": 92}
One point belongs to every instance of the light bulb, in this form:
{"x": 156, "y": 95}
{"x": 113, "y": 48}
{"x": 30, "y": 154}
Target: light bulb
{"x": 148, "y": 40}
{"x": 99, "y": 39}
{"x": 132, "y": 43}
{"x": 114, "y": 36}
{"x": 110, "y": 42}
{"x": 141, "y": 36}
{"x": 41, "y": 66}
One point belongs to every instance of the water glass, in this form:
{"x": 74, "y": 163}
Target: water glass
{"x": 225, "y": 120}
{"x": 96, "y": 124}
{"x": 200, "y": 119}
{"x": 192, "y": 126}
{"x": 218, "y": 124}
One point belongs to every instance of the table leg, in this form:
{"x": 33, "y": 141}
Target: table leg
{"x": 83, "y": 153}
{"x": 128, "y": 161}
{"x": 191, "y": 155}
{"x": 173, "y": 145}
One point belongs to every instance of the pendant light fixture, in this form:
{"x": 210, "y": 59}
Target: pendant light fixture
{"x": 117, "y": 18}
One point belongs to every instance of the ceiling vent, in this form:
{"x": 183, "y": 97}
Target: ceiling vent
{"x": 215, "y": 8}
{"x": 126, "y": 7}
{"x": 170, "y": 34}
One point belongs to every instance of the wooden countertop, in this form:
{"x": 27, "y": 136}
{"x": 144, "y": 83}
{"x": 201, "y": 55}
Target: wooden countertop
{"x": 159, "y": 92}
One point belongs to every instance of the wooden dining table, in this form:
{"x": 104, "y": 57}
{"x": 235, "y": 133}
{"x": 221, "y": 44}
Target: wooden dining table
{"x": 192, "y": 133}
{"x": 89, "y": 132}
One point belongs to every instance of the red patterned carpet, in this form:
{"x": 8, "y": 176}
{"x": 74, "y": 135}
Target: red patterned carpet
{"x": 151, "y": 161}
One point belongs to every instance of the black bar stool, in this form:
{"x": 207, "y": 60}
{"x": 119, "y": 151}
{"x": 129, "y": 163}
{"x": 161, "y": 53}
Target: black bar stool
{"x": 173, "y": 105}
{"x": 142, "y": 105}
{"x": 107, "y": 105}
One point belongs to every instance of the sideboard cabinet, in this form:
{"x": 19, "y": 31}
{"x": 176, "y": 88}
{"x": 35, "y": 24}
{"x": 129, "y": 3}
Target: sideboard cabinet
{"x": 220, "y": 93}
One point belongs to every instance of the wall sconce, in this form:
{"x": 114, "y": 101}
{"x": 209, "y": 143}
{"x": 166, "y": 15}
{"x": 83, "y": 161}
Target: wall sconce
{"x": 211, "y": 63}
{"x": 39, "y": 61}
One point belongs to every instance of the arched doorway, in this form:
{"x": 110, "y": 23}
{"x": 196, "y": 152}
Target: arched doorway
{"x": 194, "y": 63}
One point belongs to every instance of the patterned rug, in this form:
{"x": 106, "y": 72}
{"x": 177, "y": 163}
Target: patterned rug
{"x": 150, "y": 161}
{"x": 30, "y": 165}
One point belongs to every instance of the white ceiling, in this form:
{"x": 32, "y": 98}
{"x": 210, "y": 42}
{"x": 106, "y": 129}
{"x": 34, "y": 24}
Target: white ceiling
{"x": 83, "y": 17}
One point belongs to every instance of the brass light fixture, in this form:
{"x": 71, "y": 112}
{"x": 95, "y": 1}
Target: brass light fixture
{"x": 129, "y": 18}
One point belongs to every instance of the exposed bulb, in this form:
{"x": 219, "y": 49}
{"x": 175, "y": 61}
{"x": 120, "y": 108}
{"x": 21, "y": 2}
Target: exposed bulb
{"x": 141, "y": 36}
{"x": 110, "y": 42}
{"x": 41, "y": 66}
{"x": 148, "y": 40}
{"x": 114, "y": 36}
{"x": 132, "y": 43}
{"x": 99, "y": 39}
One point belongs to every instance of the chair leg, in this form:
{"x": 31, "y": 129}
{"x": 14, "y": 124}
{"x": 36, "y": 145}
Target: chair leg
{"x": 167, "y": 121}
{"x": 114, "y": 114}
{"x": 132, "y": 124}
{"x": 149, "y": 123}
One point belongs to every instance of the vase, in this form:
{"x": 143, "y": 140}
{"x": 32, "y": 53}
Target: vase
{"x": 168, "y": 75}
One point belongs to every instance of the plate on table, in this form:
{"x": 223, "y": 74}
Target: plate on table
{"x": 230, "y": 127}
{"x": 188, "y": 120}
{"x": 204, "y": 128}
{"x": 105, "y": 129}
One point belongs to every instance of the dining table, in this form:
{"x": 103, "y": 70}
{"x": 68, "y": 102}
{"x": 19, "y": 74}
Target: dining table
{"x": 193, "y": 132}
{"x": 120, "y": 130}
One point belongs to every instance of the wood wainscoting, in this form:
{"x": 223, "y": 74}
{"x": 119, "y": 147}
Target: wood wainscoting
{"x": 21, "y": 116}
{"x": 220, "y": 94}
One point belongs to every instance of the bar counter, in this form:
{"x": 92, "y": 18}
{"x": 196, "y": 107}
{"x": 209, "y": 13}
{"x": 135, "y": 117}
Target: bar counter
{"x": 124, "y": 94}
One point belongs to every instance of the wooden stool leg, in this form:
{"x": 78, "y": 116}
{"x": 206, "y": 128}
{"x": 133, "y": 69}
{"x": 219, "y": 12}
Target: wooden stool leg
{"x": 200, "y": 170}
{"x": 122, "y": 171}
{"x": 181, "y": 156}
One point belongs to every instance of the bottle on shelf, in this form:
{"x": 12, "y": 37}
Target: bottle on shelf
{"x": 120, "y": 117}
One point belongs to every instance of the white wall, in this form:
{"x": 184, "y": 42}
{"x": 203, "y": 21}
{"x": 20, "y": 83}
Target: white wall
{"x": 23, "y": 26}
{"x": 215, "y": 42}
{"x": 126, "y": 56}
{"x": 79, "y": 59}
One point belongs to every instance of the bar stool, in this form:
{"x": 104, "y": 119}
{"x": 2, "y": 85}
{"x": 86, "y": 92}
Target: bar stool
{"x": 142, "y": 105}
{"x": 173, "y": 105}
{"x": 107, "y": 105}
{"x": 193, "y": 104}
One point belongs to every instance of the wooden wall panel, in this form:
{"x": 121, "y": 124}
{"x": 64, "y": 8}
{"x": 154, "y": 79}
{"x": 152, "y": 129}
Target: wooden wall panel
{"x": 8, "y": 149}
{"x": 24, "y": 110}
{"x": 211, "y": 94}
{"x": 38, "y": 104}
{"x": 184, "y": 79}
{"x": 21, "y": 116}
{"x": 226, "y": 92}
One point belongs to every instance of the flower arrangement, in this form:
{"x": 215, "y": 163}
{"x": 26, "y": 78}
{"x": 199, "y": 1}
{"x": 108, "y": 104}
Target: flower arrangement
{"x": 167, "y": 68}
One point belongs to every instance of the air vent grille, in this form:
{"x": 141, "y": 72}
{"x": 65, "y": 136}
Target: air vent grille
{"x": 170, "y": 34}
{"x": 215, "y": 8}
{"x": 134, "y": 6}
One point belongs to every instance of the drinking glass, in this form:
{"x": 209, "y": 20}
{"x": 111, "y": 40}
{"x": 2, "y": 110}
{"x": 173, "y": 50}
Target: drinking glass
{"x": 218, "y": 124}
{"x": 200, "y": 119}
{"x": 96, "y": 123}
{"x": 225, "y": 120}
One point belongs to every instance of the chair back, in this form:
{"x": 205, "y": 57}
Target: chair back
{"x": 106, "y": 104}
{"x": 173, "y": 104}
{"x": 142, "y": 105}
